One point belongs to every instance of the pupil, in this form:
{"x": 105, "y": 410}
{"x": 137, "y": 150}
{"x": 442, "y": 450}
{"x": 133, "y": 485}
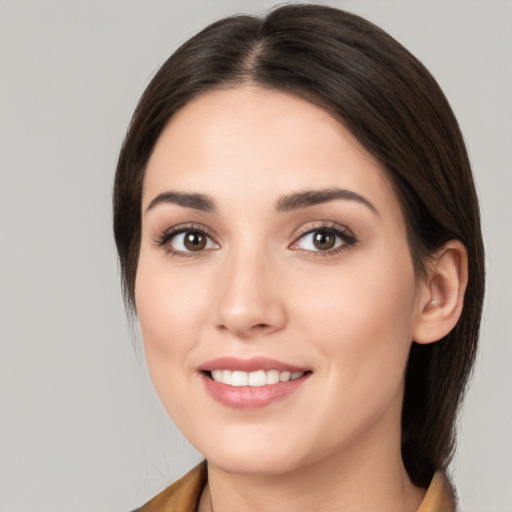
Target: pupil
{"x": 324, "y": 240}
{"x": 195, "y": 241}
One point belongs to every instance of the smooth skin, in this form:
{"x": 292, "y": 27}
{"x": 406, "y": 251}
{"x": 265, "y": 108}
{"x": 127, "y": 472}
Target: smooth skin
{"x": 250, "y": 279}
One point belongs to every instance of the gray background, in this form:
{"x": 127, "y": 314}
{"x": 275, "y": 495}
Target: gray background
{"x": 80, "y": 427}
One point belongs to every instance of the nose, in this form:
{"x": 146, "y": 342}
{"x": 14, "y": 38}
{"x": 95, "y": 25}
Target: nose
{"x": 249, "y": 297}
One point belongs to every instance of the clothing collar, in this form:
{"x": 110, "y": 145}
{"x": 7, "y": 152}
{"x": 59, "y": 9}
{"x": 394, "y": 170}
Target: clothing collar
{"x": 184, "y": 494}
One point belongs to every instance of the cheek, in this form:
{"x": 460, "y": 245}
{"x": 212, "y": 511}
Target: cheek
{"x": 361, "y": 319}
{"x": 360, "y": 324}
{"x": 169, "y": 313}
{"x": 171, "y": 307}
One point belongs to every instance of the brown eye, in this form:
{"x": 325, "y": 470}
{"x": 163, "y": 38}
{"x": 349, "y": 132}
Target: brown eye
{"x": 194, "y": 241}
{"x": 324, "y": 240}
{"x": 187, "y": 241}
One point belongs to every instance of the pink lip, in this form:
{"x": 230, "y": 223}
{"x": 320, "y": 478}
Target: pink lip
{"x": 249, "y": 365}
{"x": 250, "y": 397}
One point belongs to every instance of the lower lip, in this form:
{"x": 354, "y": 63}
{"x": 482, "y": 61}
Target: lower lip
{"x": 251, "y": 397}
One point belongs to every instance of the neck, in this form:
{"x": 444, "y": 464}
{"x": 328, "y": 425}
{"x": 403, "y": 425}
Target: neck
{"x": 370, "y": 478}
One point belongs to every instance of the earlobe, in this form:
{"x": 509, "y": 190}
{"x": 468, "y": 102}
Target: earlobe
{"x": 441, "y": 294}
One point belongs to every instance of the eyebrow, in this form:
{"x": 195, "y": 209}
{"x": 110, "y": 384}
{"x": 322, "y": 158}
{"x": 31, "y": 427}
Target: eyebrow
{"x": 307, "y": 198}
{"x": 200, "y": 202}
{"x": 290, "y": 202}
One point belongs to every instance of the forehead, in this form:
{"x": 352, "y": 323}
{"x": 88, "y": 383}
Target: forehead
{"x": 251, "y": 142}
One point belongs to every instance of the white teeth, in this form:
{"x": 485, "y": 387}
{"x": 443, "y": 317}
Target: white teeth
{"x": 272, "y": 377}
{"x": 258, "y": 378}
{"x": 226, "y": 376}
{"x": 285, "y": 376}
{"x": 239, "y": 378}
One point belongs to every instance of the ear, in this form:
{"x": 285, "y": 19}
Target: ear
{"x": 441, "y": 293}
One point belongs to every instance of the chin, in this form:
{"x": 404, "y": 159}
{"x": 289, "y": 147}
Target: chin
{"x": 258, "y": 455}
{"x": 255, "y": 464}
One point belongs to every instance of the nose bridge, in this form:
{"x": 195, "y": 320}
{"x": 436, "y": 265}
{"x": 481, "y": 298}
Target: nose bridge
{"x": 248, "y": 300}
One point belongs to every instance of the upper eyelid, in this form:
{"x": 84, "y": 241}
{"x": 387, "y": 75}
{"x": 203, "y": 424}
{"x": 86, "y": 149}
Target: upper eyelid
{"x": 312, "y": 227}
{"x": 341, "y": 231}
{"x": 168, "y": 234}
{"x": 306, "y": 228}
{"x": 181, "y": 228}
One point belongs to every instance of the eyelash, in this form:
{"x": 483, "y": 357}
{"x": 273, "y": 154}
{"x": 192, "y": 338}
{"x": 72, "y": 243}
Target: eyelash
{"x": 347, "y": 237}
{"x": 165, "y": 239}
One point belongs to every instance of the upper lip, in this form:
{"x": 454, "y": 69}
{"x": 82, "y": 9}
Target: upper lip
{"x": 249, "y": 365}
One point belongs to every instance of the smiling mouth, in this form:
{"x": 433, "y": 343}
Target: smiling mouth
{"x": 251, "y": 383}
{"x": 258, "y": 378}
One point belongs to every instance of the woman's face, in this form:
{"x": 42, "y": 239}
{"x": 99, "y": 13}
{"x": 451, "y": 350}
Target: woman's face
{"x": 275, "y": 289}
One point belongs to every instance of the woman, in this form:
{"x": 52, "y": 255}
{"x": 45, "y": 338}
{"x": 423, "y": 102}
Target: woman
{"x": 299, "y": 236}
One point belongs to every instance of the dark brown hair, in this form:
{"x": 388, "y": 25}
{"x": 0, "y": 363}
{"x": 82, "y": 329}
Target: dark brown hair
{"x": 396, "y": 110}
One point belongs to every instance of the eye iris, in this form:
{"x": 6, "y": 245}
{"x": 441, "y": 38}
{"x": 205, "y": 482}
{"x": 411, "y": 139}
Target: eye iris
{"x": 194, "y": 241}
{"x": 324, "y": 240}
